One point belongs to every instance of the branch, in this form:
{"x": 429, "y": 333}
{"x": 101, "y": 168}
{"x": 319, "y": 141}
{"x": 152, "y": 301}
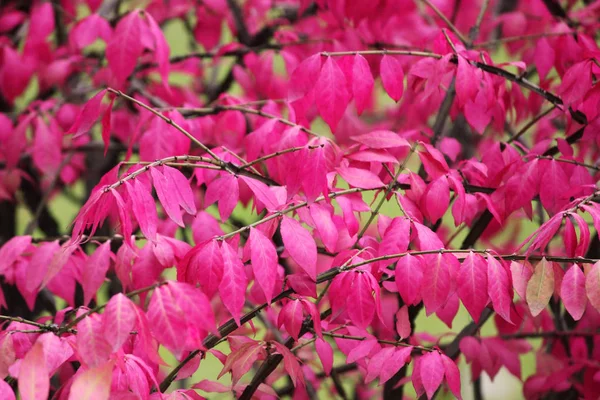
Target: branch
{"x": 446, "y": 21}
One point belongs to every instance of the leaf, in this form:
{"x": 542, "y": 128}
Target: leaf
{"x": 381, "y": 139}
{"x": 106, "y": 119}
{"x": 203, "y": 265}
{"x": 291, "y": 316}
{"x": 233, "y": 289}
{"x": 377, "y": 363}
{"x": 167, "y": 322}
{"x": 395, "y": 240}
{"x": 92, "y": 347}
{"x": 226, "y": 191}
{"x": 362, "y": 83}
{"x": 592, "y": 286}
{"x": 304, "y": 77}
{"x": 392, "y": 77}
{"x": 472, "y": 284}
{"x": 361, "y": 305}
{"x": 552, "y": 184}
{"x": 125, "y": 46}
{"x": 431, "y": 372}
{"x": 300, "y": 244}
{"x": 325, "y": 226}
{"x": 12, "y": 250}
{"x": 466, "y": 81}
{"x": 264, "y": 262}
{"x": 325, "y": 353}
{"x": 262, "y": 193}
{"x": 95, "y": 270}
{"x": 409, "y": 278}
{"x": 360, "y": 178}
{"x": 436, "y": 199}
{"x": 161, "y": 48}
{"x": 540, "y": 287}
{"x": 34, "y": 383}
{"x": 521, "y": 273}
{"x": 361, "y": 350}
{"x": 397, "y": 360}
{"x": 572, "y": 292}
{"x": 93, "y": 384}
{"x": 143, "y": 208}
{"x": 6, "y": 392}
{"x": 452, "y": 375}
{"x": 331, "y": 93}
{"x": 403, "y": 327}
{"x": 118, "y": 320}
{"x": 499, "y": 288}
{"x": 88, "y": 115}
{"x": 436, "y": 283}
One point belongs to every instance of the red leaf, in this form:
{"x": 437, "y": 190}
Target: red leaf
{"x": 572, "y": 292}
{"x": 331, "y": 93}
{"x": 88, "y": 115}
{"x": 397, "y": 360}
{"x": 544, "y": 57}
{"x": 361, "y": 350}
{"x": 300, "y": 244}
{"x": 392, "y": 77}
{"x": 233, "y": 289}
{"x": 552, "y": 187}
{"x": 12, "y": 250}
{"x": 6, "y": 392}
{"x": 34, "y": 383}
{"x": 499, "y": 288}
{"x": 466, "y": 81}
{"x": 264, "y": 262}
{"x": 436, "y": 199}
{"x": 92, "y": 347}
{"x": 262, "y": 192}
{"x": 395, "y": 240}
{"x": 378, "y": 362}
{"x": 431, "y": 372}
{"x": 226, "y": 191}
{"x": 472, "y": 284}
{"x": 125, "y": 46}
{"x": 291, "y": 316}
{"x": 362, "y": 83}
{"x": 167, "y": 322}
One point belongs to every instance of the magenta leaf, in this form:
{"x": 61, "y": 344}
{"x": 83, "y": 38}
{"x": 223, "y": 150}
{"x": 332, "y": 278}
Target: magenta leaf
{"x": 392, "y": 77}
{"x": 300, "y": 244}
{"x": 332, "y": 96}
{"x": 264, "y": 262}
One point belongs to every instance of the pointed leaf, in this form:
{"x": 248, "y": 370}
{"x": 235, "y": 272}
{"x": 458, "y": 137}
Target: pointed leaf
{"x": 472, "y": 284}
{"x": 362, "y": 83}
{"x": 118, "y": 320}
{"x": 592, "y": 286}
{"x": 499, "y": 288}
{"x": 93, "y": 384}
{"x": 540, "y": 287}
{"x": 233, "y": 289}
{"x": 34, "y": 383}
{"x": 431, "y": 372}
{"x": 331, "y": 93}
{"x": 392, "y": 77}
{"x": 572, "y": 292}
{"x": 300, "y": 244}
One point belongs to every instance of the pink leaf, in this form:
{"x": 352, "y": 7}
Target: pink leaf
{"x": 167, "y": 322}
{"x": 472, "y": 284}
{"x": 466, "y": 81}
{"x": 233, "y": 289}
{"x": 106, "y": 125}
{"x": 592, "y": 286}
{"x": 291, "y": 317}
{"x": 264, "y": 262}
{"x": 226, "y": 191}
{"x": 262, "y": 193}
{"x": 431, "y": 372}
{"x": 400, "y": 357}
{"x": 161, "y": 48}
{"x": 88, "y": 116}
{"x": 520, "y": 274}
{"x": 436, "y": 282}
{"x": 361, "y": 305}
{"x": 93, "y": 384}
{"x": 540, "y": 287}
{"x": 392, "y": 77}
{"x": 378, "y": 362}
{"x": 409, "y": 277}
{"x": 499, "y": 288}
{"x": 331, "y": 93}
{"x": 94, "y": 271}
{"x": 395, "y": 240}
{"x": 552, "y": 184}
{"x": 572, "y": 292}
{"x": 381, "y": 139}
{"x": 203, "y": 265}
{"x": 92, "y": 347}
{"x": 325, "y": 226}
{"x": 118, "y": 320}
{"x": 304, "y": 77}
{"x": 300, "y": 244}
{"x": 12, "y": 250}
{"x": 325, "y": 353}
{"x": 452, "y": 375}
{"x": 361, "y": 350}
{"x": 436, "y": 199}
{"x": 403, "y": 323}
{"x": 362, "y": 83}
{"x": 34, "y": 383}
{"x": 544, "y": 57}
{"x": 143, "y": 207}
{"x": 360, "y": 178}
{"x": 6, "y": 392}
{"x": 125, "y": 46}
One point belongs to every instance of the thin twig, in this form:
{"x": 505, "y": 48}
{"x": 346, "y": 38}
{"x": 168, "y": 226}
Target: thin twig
{"x": 446, "y": 21}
